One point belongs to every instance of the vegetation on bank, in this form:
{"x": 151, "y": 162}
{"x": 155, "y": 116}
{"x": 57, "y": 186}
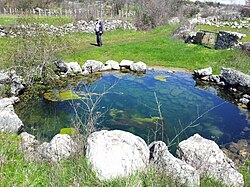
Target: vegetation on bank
{"x": 16, "y": 171}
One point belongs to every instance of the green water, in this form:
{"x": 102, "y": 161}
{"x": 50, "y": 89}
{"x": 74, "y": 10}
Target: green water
{"x": 131, "y": 105}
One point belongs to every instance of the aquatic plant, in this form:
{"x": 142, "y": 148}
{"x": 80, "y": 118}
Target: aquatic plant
{"x": 60, "y": 95}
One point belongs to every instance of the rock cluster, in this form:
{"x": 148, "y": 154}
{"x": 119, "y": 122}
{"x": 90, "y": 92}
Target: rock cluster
{"x": 16, "y": 82}
{"x": 119, "y": 154}
{"x": 221, "y": 40}
{"x": 233, "y": 80}
{"x": 79, "y": 26}
{"x": 60, "y": 147}
{"x": 181, "y": 172}
{"x": 91, "y": 66}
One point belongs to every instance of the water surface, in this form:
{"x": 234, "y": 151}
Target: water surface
{"x": 131, "y": 105}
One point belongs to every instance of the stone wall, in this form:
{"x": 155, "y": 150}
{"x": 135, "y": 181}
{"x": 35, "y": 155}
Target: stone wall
{"x": 79, "y": 26}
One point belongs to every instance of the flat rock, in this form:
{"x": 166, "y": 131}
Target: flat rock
{"x": 203, "y": 72}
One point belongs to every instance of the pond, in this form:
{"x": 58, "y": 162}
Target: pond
{"x": 130, "y": 103}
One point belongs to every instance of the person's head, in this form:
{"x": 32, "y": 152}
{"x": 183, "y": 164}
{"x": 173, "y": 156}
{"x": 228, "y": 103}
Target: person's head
{"x": 97, "y": 19}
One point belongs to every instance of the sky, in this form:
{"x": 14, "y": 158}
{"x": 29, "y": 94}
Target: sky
{"x": 242, "y": 2}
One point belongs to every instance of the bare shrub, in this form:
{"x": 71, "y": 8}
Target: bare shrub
{"x": 33, "y": 54}
{"x": 153, "y": 13}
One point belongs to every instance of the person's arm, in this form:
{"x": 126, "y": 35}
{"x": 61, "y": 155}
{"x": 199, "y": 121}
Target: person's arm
{"x": 101, "y": 27}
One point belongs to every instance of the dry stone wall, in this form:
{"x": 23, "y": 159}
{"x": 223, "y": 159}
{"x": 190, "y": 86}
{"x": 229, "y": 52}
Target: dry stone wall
{"x": 79, "y": 26}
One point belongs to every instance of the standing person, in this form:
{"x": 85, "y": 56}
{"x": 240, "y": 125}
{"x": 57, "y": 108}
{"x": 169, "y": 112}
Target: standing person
{"x": 98, "y": 31}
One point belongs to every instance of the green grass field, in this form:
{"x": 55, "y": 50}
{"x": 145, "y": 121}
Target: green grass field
{"x": 9, "y": 20}
{"x": 155, "y": 48}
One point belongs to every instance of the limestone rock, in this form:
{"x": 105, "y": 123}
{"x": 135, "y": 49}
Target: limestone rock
{"x": 93, "y": 66}
{"x": 4, "y": 77}
{"x": 174, "y": 168}
{"x": 61, "y": 66}
{"x": 116, "y": 153}
{"x": 74, "y": 68}
{"x": 17, "y": 84}
{"x": 206, "y": 156}
{"x": 245, "y": 46}
{"x": 203, "y": 72}
{"x": 28, "y": 142}
{"x": 61, "y": 146}
{"x": 227, "y": 39}
{"x": 126, "y": 63}
{"x": 138, "y": 67}
{"x": 113, "y": 64}
{"x": 235, "y": 78}
{"x": 9, "y": 121}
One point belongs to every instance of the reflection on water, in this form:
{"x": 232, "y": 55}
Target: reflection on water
{"x": 131, "y": 105}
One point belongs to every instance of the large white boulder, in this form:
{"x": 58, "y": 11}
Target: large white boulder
{"x": 92, "y": 66}
{"x": 73, "y": 68}
{"x": 206, "y": 156}
{"x": 126, "y": 63}
{"x": 113, "y": 64}
{"x": 60, "y": 147}
{"x": 162, "y": 160}
{"x": 9, "y": 121}
{"x": 139, "y": 67}
{"x": 116, "y": 153}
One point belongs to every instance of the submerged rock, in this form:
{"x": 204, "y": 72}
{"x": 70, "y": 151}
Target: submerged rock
{"x": 116, "y": 153}
{"x": 206, "y": 156}
{"x": 162, "y": 160}
{"x": 238, "y": 151}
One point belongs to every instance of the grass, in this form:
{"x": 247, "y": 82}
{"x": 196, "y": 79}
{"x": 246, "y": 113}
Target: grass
{"x": 155, "y": 48}
{"x": 9, "y": 20}
{"x": 16, "y": 171}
